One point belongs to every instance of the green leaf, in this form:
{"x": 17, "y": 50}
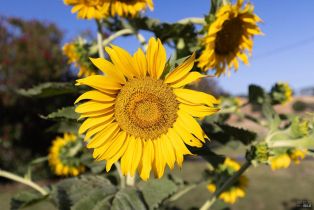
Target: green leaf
{"x": 128, "y": 199}
{"x": 49, "y": 89}
{"x": 73, "y": 191}
{"x": 64, "y": 126}
{"x": 206, "y": 153}
{"x": 25, "y": 198}
{"x": 156, "y": 191}
{"x": 224, "y": 133}
{"x": 63, "y": 113}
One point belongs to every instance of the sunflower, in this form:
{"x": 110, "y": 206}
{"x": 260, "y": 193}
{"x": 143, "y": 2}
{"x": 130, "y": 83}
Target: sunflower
{"x": 126, "y": 8}
{"x": 229, "y": 38}
{"x": 138, "y": 114}
{"x": 70, "y": 50}
{"x": 281, "y": 93}
{"x": 62, "y": 156}
{"x": 87, "y": 9}
{"x": 237, "y": 190}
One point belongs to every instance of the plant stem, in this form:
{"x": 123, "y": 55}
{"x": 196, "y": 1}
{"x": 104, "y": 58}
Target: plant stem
{"x": 22, "y": 180}
{"x": 225, "y": 186}
{"x": 193, "y": 20}
{"x": 130, "y": 180}
{"x": 116, "y": 35}
{"x": 142, "y": 40}
{"x": 122, "y": 178}
{"x": 99, "y": 40}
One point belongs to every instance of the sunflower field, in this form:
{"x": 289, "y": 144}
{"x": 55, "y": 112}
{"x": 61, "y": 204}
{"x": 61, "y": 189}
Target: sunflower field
{"x": 123, "y": 128}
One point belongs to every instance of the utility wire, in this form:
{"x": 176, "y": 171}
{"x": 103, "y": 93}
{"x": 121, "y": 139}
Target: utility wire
{"x": 286, "y": 48}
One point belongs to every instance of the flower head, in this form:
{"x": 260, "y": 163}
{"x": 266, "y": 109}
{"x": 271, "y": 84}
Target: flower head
{"x": 126, "y": 8}
{"x": 281, "y": 93}
{"x": 138, "y": 114}
{"x": 237, "y": 190}
{"x": 62, "y": 161}
{"x": 229, "y": 38}
{"x": 71, "y": 51}
{"x": 87, "y": 9}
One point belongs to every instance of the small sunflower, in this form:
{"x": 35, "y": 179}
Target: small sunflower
{"x": 281, "y": 93}
{"x": 237, "y": 190}
{"x": 229, "y": 38}
{"x": 87, "y": 9}
{"x": 138, "y": 114}
{"x": 70, "y": 50}
{"x": 62, "y": 156}
{"x": 126, "y": 8}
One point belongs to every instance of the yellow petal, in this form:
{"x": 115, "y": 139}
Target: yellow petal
{"x": 147, "y": 160}
{"x": 159, "y": 161}
{"x": 193, "y": 127}
{"x": 180, "y": 71}
{"x": 189, "y": 78}
{"x": 109, "y": 69}
{"x": 114, "y": 148}
{"x": 96, "y": 96}
{"x": 99, "y": 139}
{"x": 168, "y": 151}
{"x": 94, "y": 121}
{"x": 193, "y": 97}
{"x": 141, "y": 62}
{"x": 156, "y": 58}
{"x": 187, "y": 137}
{"x": 93, "y": 106}
{"x": 101, "y": 83}
{"x": 126, "y": 160}
{"x": 118, "y": 155}
{"x": 197, "y": 110}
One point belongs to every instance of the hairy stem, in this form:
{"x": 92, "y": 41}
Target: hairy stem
{"x": 122, "y": 178}
{"x": 22, "y": 180}
{"x": 99, "y": 39}
{"x": 225, "y": 186}
{"x": 193, "y": 20}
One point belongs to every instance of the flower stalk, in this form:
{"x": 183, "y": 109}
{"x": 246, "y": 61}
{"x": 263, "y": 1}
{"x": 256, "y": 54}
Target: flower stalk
{"x": 24, "y": 181}
{"x": 207, "y": 205}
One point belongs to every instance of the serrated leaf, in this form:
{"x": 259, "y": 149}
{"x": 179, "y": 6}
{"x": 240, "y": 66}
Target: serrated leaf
{"x": 64, "y": 126}
{"x": 92, "y": 198}
{"x": 224, "y": 133}
{"x": 128, "y": 199}
{"x": 63, "y": 113}
{"x": 49, "y": 89}
{"x": 25, "y": 198}
{"x": 71, "y": 191}
{"x": 206, "y": 153}
{"x": 156, "y": 191}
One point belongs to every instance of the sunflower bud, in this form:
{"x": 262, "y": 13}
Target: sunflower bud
{"x": 281, "y": 93}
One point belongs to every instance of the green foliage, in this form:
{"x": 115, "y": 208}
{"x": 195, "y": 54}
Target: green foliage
{"x": 224, "y": 133}
{"x": 155, "y": 191}
{"x": 257, "y": 94}
{"x": 63, "y": 113}
{"x": 49, "y": 89}
{"x": 25, "y": 198}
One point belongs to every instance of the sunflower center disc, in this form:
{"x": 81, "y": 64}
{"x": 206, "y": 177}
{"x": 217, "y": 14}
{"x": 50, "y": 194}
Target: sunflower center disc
{"x": 229, "y": 38}
{"x": 146, "y": 108}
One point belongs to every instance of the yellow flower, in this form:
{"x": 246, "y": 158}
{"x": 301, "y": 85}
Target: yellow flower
{"x": 234, "y": 192}
{"x": 229, "y": 38}
{"x": 140, "y": 116}
{"x": 87, "y": 9}
{"x": 297, "y": 155}
{"x": 60, "y": 160}
{"x": 69, "y": 50}
{"x": 126, "y": 8}
{"x": 229, "y": 163}
{"x": 280, "y": 161}
{"x": 281, "y": 92}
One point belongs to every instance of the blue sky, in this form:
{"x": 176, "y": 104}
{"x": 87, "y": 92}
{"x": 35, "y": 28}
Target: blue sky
{"x": 285, "y": 53}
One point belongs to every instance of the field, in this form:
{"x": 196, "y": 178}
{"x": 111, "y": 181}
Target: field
{"x": 268, "y": 190}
